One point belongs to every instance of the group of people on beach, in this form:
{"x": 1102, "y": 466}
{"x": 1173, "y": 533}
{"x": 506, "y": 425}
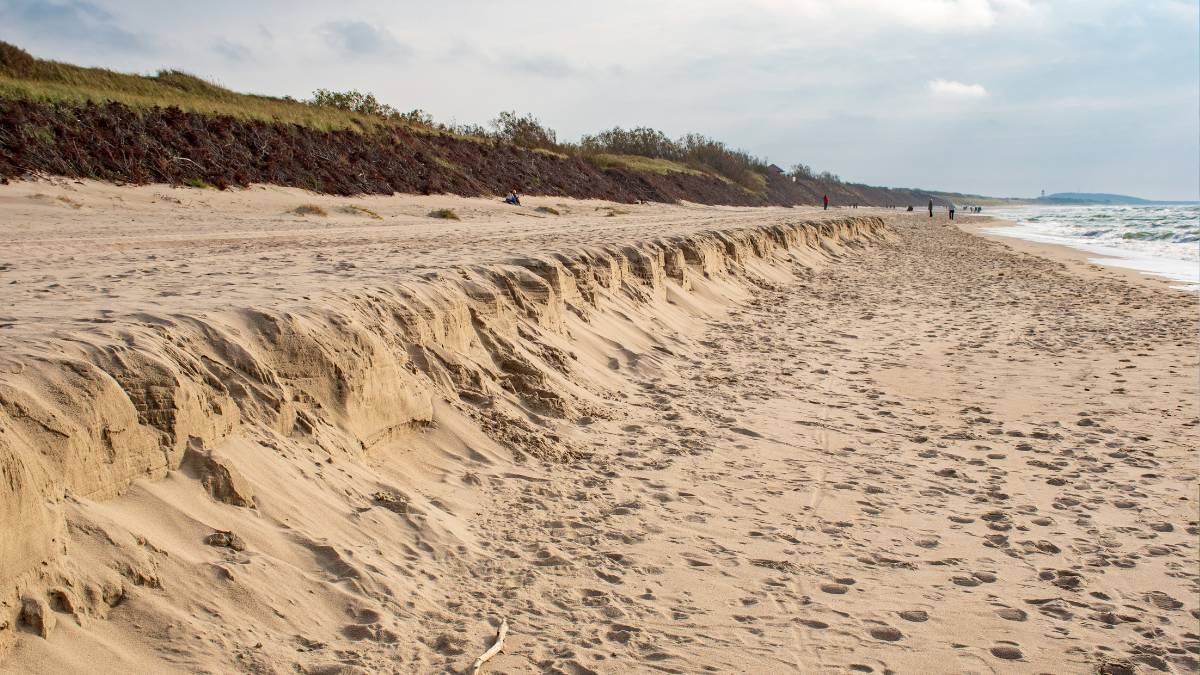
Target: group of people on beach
{"x": 825, "y": 203}
{"x": 951, "y": 208}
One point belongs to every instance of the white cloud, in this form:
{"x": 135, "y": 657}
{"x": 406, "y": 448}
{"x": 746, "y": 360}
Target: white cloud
{"x": 951, "y": 88}
{"x": 924, "y": 15}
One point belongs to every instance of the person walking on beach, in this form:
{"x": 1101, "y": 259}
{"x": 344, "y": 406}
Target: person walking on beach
{"x": 825, "y": 200}
{"x": 951, "y": 210}
{"x": 931, "y": 207}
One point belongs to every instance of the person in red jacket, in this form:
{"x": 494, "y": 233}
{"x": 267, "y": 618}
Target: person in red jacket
{"x": 825, "y": 199}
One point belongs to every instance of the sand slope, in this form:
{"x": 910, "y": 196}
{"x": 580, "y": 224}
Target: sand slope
{"x": 678, "y": 439}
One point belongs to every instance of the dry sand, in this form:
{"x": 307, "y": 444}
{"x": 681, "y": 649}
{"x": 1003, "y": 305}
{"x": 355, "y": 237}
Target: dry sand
{"x": 675, "y": 439}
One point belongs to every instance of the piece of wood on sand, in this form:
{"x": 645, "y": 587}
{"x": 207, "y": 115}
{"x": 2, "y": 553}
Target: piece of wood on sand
{"x": 493, "y": 650}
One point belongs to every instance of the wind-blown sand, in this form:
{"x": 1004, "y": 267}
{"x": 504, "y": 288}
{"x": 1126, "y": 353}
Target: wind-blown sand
{"x": 679, "y": 439}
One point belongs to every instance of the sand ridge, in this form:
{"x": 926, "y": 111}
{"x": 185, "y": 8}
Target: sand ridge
{"x": 763, "y": 446}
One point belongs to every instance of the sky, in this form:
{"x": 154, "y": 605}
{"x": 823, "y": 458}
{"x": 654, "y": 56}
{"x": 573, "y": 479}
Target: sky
{"x": 996, "y": 97}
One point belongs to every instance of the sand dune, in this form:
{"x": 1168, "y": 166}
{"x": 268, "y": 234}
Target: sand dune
{"x": 673, "y": 438}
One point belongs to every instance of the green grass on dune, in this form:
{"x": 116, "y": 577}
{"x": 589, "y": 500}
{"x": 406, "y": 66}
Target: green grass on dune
{"x": 751, "y": 181}
{"x": 646, "y": 164}
{"x": 24, "y": 77}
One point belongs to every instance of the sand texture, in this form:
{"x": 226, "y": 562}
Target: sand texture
{"x": 644, "y": 438}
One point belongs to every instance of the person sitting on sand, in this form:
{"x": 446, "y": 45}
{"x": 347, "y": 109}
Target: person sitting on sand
{"x": 512, "y": 198}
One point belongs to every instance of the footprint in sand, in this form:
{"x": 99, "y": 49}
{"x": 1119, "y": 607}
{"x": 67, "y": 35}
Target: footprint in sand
{"x": 1012, "y": 614}
{"x": 1007, "y": 652}
{"x": 886, "y": 633}
{"x": 1163, "y": 601}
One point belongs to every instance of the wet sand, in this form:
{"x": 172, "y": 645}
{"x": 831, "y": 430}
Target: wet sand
{"x": 904, "y": 449}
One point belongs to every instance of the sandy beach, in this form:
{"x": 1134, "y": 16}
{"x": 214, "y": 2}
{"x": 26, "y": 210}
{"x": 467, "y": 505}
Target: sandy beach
{"x": 645, "y": 438}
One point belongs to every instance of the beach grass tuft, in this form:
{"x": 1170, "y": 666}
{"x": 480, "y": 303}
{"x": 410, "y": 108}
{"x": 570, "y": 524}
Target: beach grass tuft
{"x": 199, "y": 183}
{"x": 548, "y": 209}
{"x": 444, "y": 214}
{"x": 310, "y": 210}
{"x": 638, "y": 163}
{"x": 356, "y": 210}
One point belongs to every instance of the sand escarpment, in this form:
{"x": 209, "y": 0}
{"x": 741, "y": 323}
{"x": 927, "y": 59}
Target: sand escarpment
{"x": 253, "y": 416}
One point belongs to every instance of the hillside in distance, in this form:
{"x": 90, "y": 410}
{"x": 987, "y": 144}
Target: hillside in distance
{"x": 1100, "y": 198}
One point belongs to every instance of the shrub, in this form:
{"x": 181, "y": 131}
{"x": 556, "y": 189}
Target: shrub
{"x": 695, "y": 150}
{"x": 309, "y": 210}
{"x": 465, "y": 130}
{"x": 417, "y": 118}
{"x": 526, "y": 131}
{"x": 444, "y": 214}
{"x": 365, "y": 103}
{"x": 641, "y": 141}
{"x": 738, "y": 166}
{"x": 353, "y": 101}
{"x": 802, "y": 171}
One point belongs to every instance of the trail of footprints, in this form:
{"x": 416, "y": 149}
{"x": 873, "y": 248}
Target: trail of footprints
{"x": 777, "y": 504}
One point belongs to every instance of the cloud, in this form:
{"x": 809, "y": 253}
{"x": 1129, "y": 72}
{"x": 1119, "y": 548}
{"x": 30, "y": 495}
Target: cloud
{"x": 76, "y": 21}
{"x": 544, "y": 65}
{"x": 924, "y": 15}
{"x": 361, "y": 39}
{"x": 953, "y": 89}
{"x": 233, "y": 51}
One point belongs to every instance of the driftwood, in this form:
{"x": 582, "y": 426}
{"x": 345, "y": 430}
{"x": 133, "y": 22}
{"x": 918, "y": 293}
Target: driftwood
{"x": 493, "y": 650}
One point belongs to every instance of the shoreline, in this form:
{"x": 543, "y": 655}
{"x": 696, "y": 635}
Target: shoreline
{"x": 1086, "y": 262}
{"x": 1185, "y": 275}
{"x": 353, "y": 445}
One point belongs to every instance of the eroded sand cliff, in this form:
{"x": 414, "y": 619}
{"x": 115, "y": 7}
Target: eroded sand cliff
{"x": 260, "y": 407}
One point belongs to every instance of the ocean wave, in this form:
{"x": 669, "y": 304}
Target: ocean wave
{"x": 1150, "y": 236}
{"x": 1167, "y": 234}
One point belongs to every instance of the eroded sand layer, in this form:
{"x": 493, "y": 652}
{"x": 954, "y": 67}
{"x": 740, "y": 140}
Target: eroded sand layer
{"x": 724, "y": 441}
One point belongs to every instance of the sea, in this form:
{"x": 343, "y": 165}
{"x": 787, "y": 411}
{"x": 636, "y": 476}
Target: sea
{"x": 1162, "y": 241}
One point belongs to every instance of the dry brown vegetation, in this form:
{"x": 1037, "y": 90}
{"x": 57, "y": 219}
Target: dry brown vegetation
{"x": 310, "y": 210}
